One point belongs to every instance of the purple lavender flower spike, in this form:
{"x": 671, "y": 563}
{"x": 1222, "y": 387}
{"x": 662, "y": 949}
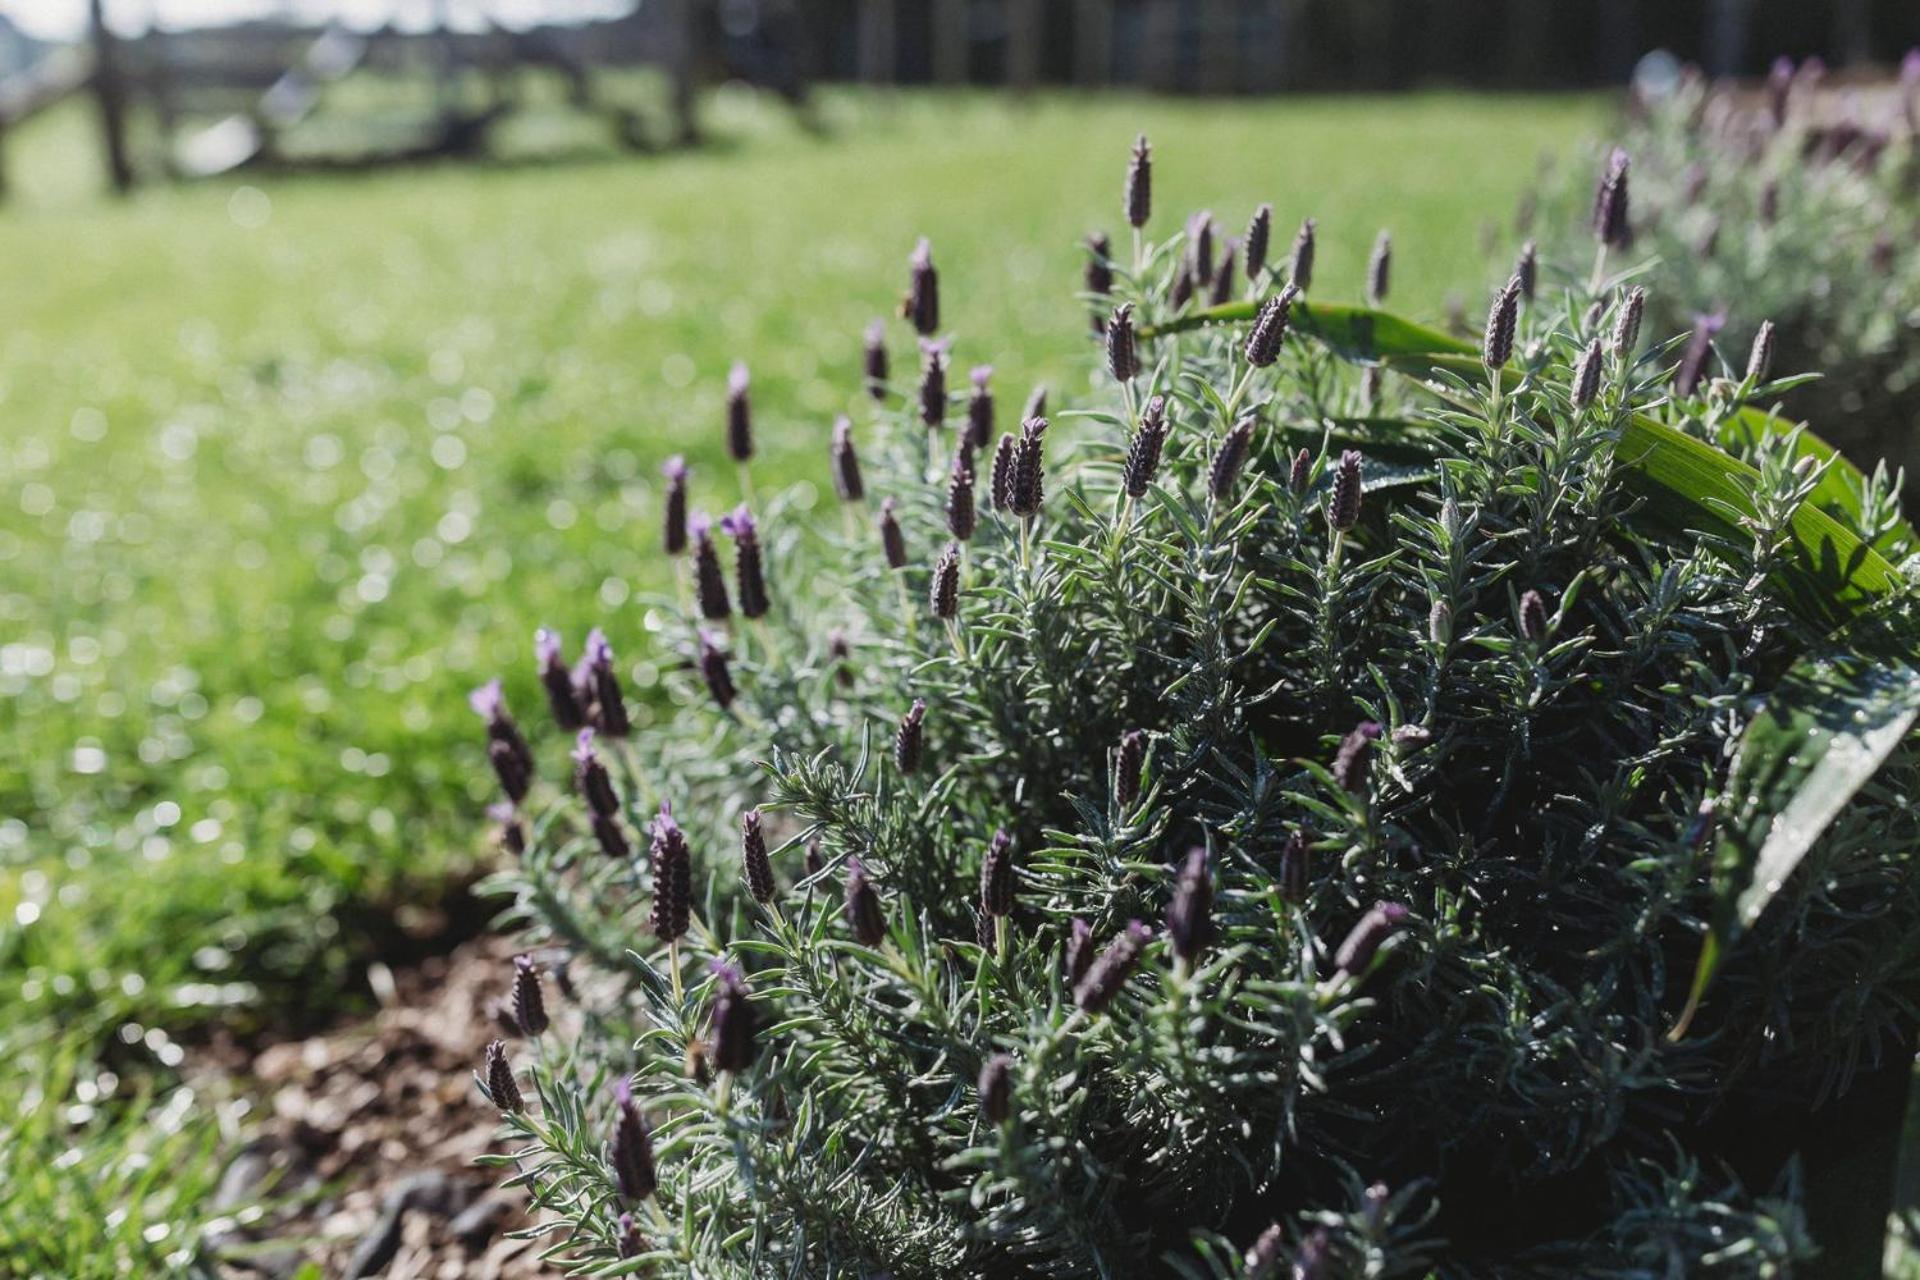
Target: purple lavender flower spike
{"x": 609, "y": 704}
{"x": 567, "y": 711}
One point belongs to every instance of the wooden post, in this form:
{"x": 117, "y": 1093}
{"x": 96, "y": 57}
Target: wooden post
{"x": 878, "y": 35}
{"x": 1160, "y": 46}
{"x": 1025, "y": 29}
{"x": 1092, "y": 41}
{"x": 1219, "y": 42}
{"x": 110, "y": 92}
{"x": 1274, "y": 63}
{"x": 950, "y": 42}
{"x": 683, "y": 59}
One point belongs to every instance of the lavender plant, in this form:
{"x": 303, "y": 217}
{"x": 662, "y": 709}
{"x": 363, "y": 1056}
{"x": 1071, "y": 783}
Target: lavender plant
{"x": 1798, "y": 207}
{"x": 1273, "y": 835}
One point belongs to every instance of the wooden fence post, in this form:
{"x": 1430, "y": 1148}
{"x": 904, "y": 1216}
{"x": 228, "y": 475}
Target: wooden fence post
{"x": 1026, "y": 26}
{"x": 1092, "y": 41}
{"x": 110, "y": 92}
{"x": 878, "y": 35}
{"x": 951, "y": 44}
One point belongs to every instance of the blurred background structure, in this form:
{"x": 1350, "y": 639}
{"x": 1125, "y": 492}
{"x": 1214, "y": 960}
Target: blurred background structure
{"x": 196, "y": 87}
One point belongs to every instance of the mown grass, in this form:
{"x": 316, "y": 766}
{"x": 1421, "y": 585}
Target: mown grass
{"x": 290, "y": 466}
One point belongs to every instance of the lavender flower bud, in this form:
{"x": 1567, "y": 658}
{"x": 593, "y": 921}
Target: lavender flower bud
{"x": 1382, "y": 921}
{"x": 709, "y": 579}
{"x": 1143, "y": 455}
{"x": 1440, "y": 623}
{"x": 1123, "y": 361}
{"x": 1496, "y": 345}
{"x": 1379, "y": 269}
{"x": 1000, "y": 491}
{"x": 1190, "y": 915}
{"x": 754, "y": 862}
{"x": 558, "y": 681}
{"x": 1228, "y": 460}
{"x": 933, "y": 384}
{"x": 1760, "y": 359}
{"x": 672, "y": 877}
{"x": 1200, "y": 246}
{"x": 1343, "y": 503}
{"x": 1222, "y": 292}
{"x": 1029, "y": 469}
{"x": 502, "y": 1090}
{"x": 1299, "y": 472}
{"x": 1693, "y": 362}
{"x": 980, "y": 408}
{"x": 529, "y": 1006}
{"x": 1098, "y": 279}
{"x": 891, "y": 540}
{"x": 1138, "y": 203}
{"x": 921, "y": 306}
{"x": 739, "y": 414}
{"x": 1586, "y": 375}
{"x": 996, "y": 876}
{"x": 627, "y": 1240}
{"x": 507, "y": 748}
{"x": 1180, "y": 289}
{"x": 876, "y": 360}
{"x": 1355, "y": 754}
{"x": 1300, "y": 272}
{"x": 1079, "y": 953}
{"x": 943, "y": 595}
{"x": 1527, "y": 270}
{"x": 1626, "y": 326}
{"x": 609, "y": 705}
{"x": 996, "y": 1089}
{"x": 511, "y": 834}
{"x": 595, "y": 783}
{"x": 1111, "y": 969}
{"x": 674, "y": 507}
{"x": 840, "y": 654}
{"x": 1533, "y": 616}
{"x": 1296, "y": 862}
{"x": 632, "y": 1154}
{"x": 1129, "y": 761}
{"x": 1259, "y": 236}
{"x": 1270, "y": 327}
{"x": 731, "y": 1046}
{"x": 847, "y": 481}
{"x": 1611, "y": 213}
{"x": 713, "y": 669}
{"x": 864, "y": 916}
{"x": 748, "y": 568}
{"x": 1266, "y": 1255}
{"x": 909, "y": 739}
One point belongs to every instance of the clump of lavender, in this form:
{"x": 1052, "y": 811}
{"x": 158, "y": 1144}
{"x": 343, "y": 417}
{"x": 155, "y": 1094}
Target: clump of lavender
{"x": 980, "y": 408}
{"x": 1626, "y": 325}
{"x": 609, "y": 708}
{"x": 943, "y": 595}
{"x": 1300, "y": 472}
{"x": 996, "y": 876}
{"x": 1496, "y": 345}
{"x": 709, "y": 579}
{"x": 714, "y": 670}
{"x": 1586, "y": 375}
{"x": 847, "y": 481}
{"x": 1533, "y": 616}
{"x": 1143, "y": 454}
{"x": 909, "y": 740}
{"x": 961, "y": 515}
{"x": 1123, "y": 361}
{"x": 1005, "y": 459}
{"x": 755, "y": 864}
{"x": 739, "y": 414}
{"x": 631, "y": 1150}
{"x": 1379, "y": 269}
{"x": 672, "y": 866}
{"x": 732, "y": 1045}
{"x": 603, "y": 804}
{"x": 1109, "y": 971}
{"x": 1760, "y": 357}
{"x": 1382, "y": 921}
{"x": 502, "y": 1090}
{"x": 1229, "y": 458}
{"x": 1254, "y": 245}
{"x": 1200, "y": 247}
{"x": 1138, "y": 201}
{"x": 1223, "y": 281}
{"x": 996, "y": 1089}
{"x": 748, "y": 570}
{"x": 892, "y": 542}
{"x": 1300, "y": 269}
{"x": 1098, "y": 277}
{"x": 933, "y": 384}
{"x": 1129, "y": 761}
{"x": 1295, "y": 867}
{"x": 921, "y": 306}
{"x": 1526, "y": 271}
{"x": 1612, "y": 220}
{"x": 558, "y": 682}
{"x": 1343, "y": 503}
{"x": 1693, "y": 361}
{"x": 1190, "y": 917}
{"x": 1350, "y": 762}
{"x": 674, "y": 506}
{"x": 864, "y": 914}
{"x": 1029, "y": 470}
{"x": 1270, "y": 328}
{"x": 1078, "y": 956}
{"x": 529, "y": 1005}
{"x": 507, "y": 749}
{"x": 876, "y": 362}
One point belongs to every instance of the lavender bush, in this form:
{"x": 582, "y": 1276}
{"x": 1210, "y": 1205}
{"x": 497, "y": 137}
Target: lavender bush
{"x": 1792, "y": 204}
{"x": 1270, "y": 831}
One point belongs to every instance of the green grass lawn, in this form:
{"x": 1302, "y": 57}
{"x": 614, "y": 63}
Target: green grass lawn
{"x": 290, "y": 467}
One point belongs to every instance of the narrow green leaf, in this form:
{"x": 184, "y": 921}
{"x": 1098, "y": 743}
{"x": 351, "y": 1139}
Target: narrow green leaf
{"x": 1826, "y": 730}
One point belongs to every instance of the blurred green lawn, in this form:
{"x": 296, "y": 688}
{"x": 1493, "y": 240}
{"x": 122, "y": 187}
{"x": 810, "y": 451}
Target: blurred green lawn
{"x": 289, "y": 467}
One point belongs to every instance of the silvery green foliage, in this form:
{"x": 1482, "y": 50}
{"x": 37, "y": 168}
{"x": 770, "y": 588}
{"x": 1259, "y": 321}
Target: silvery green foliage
{"x": 1800, "y": 206}
{"x": 1489, "y": 1091}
